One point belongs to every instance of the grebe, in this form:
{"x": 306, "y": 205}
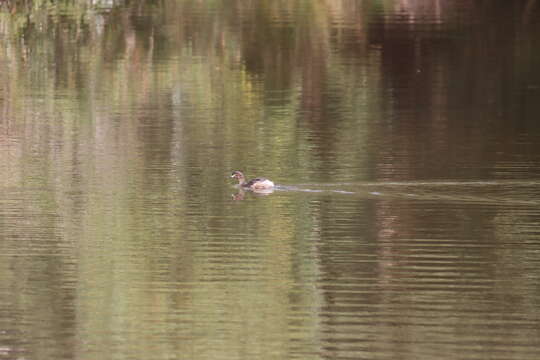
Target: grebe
{"x": 253, "y": 184}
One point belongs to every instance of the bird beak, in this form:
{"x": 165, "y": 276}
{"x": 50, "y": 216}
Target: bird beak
{"x": 232, "y": 175}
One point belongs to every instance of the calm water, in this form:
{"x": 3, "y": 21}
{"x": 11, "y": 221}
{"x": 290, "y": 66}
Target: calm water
{"x": 403, "y": 135}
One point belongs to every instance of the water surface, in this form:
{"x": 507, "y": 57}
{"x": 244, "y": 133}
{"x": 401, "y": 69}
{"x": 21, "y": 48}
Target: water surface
{"x": 402, "y": 135}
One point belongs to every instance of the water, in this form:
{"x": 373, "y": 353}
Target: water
{"x": 402, "y": 136}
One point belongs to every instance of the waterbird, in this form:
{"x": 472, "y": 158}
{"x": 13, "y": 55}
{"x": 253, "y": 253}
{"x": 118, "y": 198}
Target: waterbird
{"x": 253, "y": 184}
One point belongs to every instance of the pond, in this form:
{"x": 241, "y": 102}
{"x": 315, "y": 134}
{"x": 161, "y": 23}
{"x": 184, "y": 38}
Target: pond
{"x": 404, "y": 144}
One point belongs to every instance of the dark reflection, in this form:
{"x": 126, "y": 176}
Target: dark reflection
{"x": 241, "y": 194}
{"x": 476, "y": 110}
{"x": 403, "y": 134}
